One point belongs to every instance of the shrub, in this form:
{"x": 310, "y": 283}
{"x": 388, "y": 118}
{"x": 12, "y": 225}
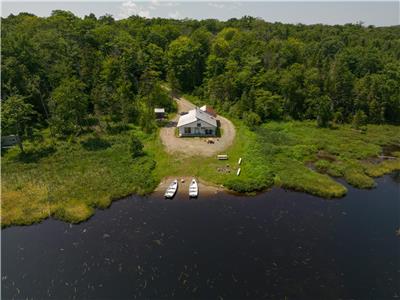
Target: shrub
{"x": 95, "y": 144}
{"x": 359, "y": 119}
{"x": 135, "y": 146}
{"x": 251, "y": 119}
{"x": 322, "y": 165}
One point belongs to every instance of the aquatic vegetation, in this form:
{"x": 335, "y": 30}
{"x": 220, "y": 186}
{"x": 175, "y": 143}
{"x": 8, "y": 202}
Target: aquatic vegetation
{"x": 90, "y": 173}
{"x": 382, "y": 168}
{"x": 358, "y": 179}
{"x": 283, "y": 150}
{"x": 73, "y": 211}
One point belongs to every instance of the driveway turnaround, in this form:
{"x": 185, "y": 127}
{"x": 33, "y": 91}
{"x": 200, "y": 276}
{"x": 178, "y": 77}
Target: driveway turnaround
{"x": 194, "y": 146}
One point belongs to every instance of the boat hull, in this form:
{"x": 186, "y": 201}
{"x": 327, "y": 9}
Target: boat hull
{"x": 193, "y": 189}
{"x": 171, "y": 191}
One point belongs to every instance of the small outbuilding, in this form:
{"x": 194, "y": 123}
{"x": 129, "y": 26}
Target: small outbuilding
{"x": 9, "y": 141}
{"x": 208, "y": 109}
{"x": 160, "y": 113}
{"x": 197, "y": 123}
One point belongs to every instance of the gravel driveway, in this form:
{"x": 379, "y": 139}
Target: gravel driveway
{"x": 191, "y": 146}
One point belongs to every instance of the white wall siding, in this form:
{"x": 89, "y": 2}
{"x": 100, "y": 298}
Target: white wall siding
{"x": 196, "y": 130}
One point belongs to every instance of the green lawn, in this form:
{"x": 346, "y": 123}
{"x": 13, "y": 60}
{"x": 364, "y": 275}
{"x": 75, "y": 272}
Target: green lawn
{"x": 69, "y": 179}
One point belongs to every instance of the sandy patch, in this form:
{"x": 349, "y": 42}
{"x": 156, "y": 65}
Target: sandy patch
{"x": 205, "y": 188}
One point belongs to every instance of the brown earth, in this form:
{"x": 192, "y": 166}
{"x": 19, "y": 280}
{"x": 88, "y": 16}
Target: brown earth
{"x": 205, "y": 188}
{"x": 191, "y": 146}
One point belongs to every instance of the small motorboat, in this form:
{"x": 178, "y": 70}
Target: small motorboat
{"x": 193, "y": 189}
{"x": 171, "y": 190}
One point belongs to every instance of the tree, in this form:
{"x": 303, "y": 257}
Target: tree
{"x": 359, "y": 119}
{"x": 268, "y": 105}
{"x": 68, "y": 106}
{"x": 324, "y": 111}
{"x": 341, "y": 87}
{"x": 147, "y": 121}
{"x": 251, "y": 119}
{"x": 16, "y": 117}
{"x": 135, "y": 146}
{"x": 184, "y": 61}
{"x": 376, "y": 113}
{"x": 292, "y": 86}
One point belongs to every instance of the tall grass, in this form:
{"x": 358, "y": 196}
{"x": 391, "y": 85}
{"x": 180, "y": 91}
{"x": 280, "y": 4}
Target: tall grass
{"x": 68, "y": 180}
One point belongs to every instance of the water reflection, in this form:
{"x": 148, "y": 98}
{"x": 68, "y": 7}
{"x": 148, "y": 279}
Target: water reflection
{"x": 274, "y": 245}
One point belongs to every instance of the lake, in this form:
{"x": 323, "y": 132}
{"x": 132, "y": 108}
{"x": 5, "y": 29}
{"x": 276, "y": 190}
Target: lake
{"x": 278, "y": 244}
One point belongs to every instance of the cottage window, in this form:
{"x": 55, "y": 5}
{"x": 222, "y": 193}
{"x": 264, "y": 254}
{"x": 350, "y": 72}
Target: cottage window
{"x": 198, "y": 124}
{"x": 187, "y": 130}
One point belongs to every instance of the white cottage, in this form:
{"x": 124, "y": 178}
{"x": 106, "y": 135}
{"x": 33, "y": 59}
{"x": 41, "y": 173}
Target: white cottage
{"x": 197, "y": 123}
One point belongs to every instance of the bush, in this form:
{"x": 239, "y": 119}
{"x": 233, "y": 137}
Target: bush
{"x": 95, "y": 144}
{"x": 251, "y": 119}
{"x": 359, "y": 119}
{"x": 135, "y": 146}
{"x": 248, "y": 185}
{"x": 322, "y": 165}
{"x": 115, "y": 128}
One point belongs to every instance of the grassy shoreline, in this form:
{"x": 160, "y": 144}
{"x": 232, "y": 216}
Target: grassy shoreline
{"x": 68, "y": 180}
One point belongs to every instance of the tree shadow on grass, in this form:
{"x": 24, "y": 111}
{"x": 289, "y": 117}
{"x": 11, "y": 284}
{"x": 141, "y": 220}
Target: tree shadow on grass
{"x": 33, "y": 155}
{"x": 95, "y": 144}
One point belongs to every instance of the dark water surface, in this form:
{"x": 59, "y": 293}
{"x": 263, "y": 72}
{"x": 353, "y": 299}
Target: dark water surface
{"x": 274, "y": 245}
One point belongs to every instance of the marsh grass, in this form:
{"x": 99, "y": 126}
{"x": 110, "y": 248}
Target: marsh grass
{"x": 89, "y": 172}
{"x": 56, "y": 184}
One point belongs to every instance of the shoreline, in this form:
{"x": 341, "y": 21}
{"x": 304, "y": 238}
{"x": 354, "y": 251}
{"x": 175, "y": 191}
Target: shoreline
{"x": 206, "y": 189}
{"x": 204, "y": 186}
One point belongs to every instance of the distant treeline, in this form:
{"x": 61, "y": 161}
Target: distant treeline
{"x": 68, "y": 72}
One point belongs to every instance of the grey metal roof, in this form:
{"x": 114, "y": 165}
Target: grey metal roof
{"x": 194, "y": 115}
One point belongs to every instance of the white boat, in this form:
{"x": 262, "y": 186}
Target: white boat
{"x": 171, "y": 190}
{"x": 193, "y": 188}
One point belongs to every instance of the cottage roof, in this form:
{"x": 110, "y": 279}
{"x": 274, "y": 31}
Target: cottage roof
{"x": 159, "y": 110}
{"x": 194, "y": 115}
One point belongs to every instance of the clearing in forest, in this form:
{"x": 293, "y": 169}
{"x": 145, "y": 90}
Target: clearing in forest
{"x": 196, "y": 146}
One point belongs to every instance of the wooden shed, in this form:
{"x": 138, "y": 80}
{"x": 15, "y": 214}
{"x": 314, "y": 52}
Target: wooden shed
{"x": 160, "y": 113}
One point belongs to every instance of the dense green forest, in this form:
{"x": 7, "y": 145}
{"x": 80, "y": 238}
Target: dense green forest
{"x": 309, "y": 104}
{"x": 68, "y": 73}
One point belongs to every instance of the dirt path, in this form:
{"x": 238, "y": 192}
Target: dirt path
{"x": 191, "y": 146}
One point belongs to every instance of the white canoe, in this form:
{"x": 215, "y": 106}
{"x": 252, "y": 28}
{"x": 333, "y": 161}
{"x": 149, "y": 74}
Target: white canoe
{"x": 171, "y": 190}
{"x": 193, "y": 188}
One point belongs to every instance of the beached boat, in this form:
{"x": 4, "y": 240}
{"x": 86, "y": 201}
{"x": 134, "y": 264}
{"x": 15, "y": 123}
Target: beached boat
{"x": 193, "y": 188}
{"x": 171, "y": 190}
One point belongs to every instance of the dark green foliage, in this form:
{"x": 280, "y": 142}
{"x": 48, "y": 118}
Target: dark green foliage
{"x": 16, "y": 115}
{"x": 67, "y": 68}
{"x": 36, "y": 152}
{"x": 184, "y": 62}
{"x": 251, "y": 119}
{"x": 269, "y": 106}
{"x": 135, "y": 146}
{"x": 95, "y": 144}
{"x": 16, "y": 118}
{"x": 324, "y": 111}
{"x": 359, "y": 119}
{"x": 68, "y": 106}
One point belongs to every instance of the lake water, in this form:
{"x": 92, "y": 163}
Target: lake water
{"x": 279, "y": 244}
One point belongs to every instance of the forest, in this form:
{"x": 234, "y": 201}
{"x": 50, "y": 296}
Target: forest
{"x": 68, "y": 73}
{"x": 310, "y": 103}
